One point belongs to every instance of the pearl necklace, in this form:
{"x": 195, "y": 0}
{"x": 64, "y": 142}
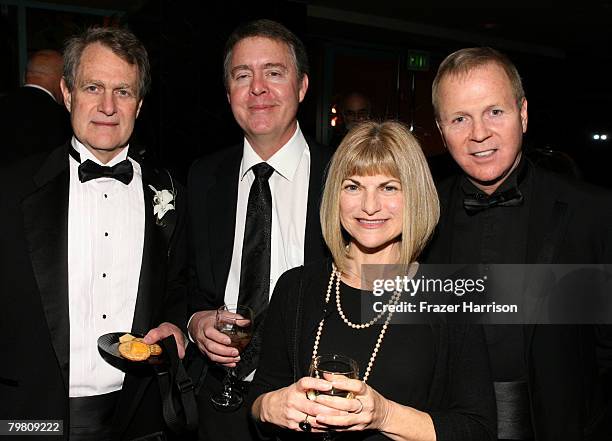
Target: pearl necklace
{"x": 394, "y": 299}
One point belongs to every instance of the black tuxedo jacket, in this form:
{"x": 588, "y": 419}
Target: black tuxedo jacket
{"x": 34, "y": 310}
{"x": 567, "y": 365}
{"x": 213, "y": 194}
{"x": 31, "y": 122}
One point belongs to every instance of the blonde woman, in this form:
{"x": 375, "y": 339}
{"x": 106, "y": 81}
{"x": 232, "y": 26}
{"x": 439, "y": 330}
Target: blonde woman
{"x": 418, "y": 382}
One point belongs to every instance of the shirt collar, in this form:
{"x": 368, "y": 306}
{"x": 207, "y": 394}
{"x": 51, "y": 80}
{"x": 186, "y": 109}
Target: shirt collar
{"x": 36, "y": 86}
{"x": 285, "y": 161}
{"x": 85, "y": 154}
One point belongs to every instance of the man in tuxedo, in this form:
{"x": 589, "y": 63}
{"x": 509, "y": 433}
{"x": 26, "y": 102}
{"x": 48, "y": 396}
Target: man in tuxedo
{"x": 503, "y": 210}
{"x": 32, "y": 118}
{"x": 84, "y": 255}
{"x": 254, "y": 207}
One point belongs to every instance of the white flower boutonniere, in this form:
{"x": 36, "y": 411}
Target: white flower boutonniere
{"x": 162, "y": 203}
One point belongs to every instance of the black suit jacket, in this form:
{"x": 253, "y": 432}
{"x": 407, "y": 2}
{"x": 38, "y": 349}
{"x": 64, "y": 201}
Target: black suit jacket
{"x": 34, "y": 310}
{"x": 213, "y": 194}
{"x": 569, "y": 222}
{"x": 31, "y": 122}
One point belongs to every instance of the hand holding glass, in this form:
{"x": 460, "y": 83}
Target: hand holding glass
{"x": 235, "y": 321}
{"x": 332, "y": 367}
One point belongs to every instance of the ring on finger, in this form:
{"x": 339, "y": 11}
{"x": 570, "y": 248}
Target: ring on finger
{"x": 360, "y": 406}
{"x": 305, "y": 425}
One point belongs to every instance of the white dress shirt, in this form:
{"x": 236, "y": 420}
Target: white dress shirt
{"x": 289, "y": 188}
{"x": 105, "y": 247}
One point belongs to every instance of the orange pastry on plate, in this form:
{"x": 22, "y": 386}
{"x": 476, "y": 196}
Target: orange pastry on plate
{"x": 135, "y": 350}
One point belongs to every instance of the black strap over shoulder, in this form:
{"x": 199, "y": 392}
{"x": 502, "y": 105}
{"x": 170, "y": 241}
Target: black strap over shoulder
{"x": 177, "y": 391}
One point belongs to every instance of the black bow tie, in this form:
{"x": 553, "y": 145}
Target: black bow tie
{"x": 121, "y": 171}
{"x": 89, "y": 170}
{"x": 473, "y": 203}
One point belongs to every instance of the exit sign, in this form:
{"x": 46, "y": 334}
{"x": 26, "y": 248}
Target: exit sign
{"x": 418, "y": 60}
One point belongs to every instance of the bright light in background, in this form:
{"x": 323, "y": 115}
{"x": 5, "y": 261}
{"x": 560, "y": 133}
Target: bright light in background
{"x": 334, "y": 116}
{"x": 600, "y": 136}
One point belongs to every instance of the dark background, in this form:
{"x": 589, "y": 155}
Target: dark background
{"x": 564, "y": 55}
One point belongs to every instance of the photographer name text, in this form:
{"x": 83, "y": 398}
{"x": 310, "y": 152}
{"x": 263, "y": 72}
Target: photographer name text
{"x": 468, "y": 307}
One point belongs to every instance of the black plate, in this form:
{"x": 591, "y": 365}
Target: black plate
{"x": 108, "y": 346}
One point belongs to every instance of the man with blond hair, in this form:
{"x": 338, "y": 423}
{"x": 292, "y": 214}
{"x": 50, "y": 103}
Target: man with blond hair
{"x": 503, "y": 210}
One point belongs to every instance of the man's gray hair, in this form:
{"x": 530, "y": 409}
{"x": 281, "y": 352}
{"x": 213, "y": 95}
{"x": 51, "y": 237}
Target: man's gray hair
{"x": 121, "y": 41}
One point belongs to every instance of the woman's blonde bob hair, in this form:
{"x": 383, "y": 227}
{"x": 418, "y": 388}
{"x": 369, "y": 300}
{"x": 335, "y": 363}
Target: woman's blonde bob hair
{"x": 386, "y": 148}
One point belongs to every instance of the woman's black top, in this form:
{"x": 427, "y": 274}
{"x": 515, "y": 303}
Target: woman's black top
{"x": 439, "y": 369}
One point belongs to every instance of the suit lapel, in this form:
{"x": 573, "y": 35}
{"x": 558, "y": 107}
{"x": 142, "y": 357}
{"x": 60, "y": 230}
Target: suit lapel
{"x": 45, "y": 215}
{"x": 314, "y": 247}
{"x": 547, "y": 224}
{"x": 155, "y": 250}
{"x": 151, "y": 284}
{"x": 439, "y": 250}
{"x": 221, "y": 208}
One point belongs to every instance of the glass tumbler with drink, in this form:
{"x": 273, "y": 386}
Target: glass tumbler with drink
{"x": 331, "y": 367}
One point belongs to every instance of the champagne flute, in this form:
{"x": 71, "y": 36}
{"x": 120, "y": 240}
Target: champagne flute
{"x": 235, "y": 321}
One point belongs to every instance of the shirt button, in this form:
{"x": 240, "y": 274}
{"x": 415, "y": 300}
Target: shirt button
{"x": 105, "y": 234}
{"x": 103, "y": 275}
{"x": 105, "y": 196}
{"x": 103, "y": 316}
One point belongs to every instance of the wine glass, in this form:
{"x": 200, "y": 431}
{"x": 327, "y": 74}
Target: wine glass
{"x": 235, "y": 321}
{"x": 332, "y": 367}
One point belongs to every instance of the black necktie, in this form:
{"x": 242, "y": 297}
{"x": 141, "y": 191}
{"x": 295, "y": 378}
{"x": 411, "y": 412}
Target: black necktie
{"x": 88, "y": 170}
{"x": 473, "y": 203}
{"x": 255, "y": 266}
